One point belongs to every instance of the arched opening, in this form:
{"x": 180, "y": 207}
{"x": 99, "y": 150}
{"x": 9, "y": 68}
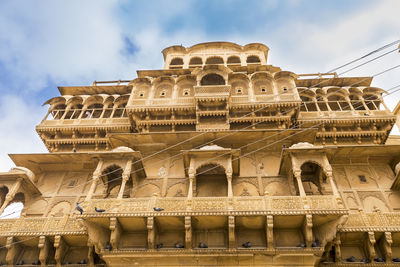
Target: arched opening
{"x": 312, "y": 177}
{"x": 372, "y": 102}
{"x": 3, "y": 194}
{"x": 176, "y": 63}
{"x": 338, "y": 103}
{"x": 195, "y": 61}
{"x": 58, "y": 111}
{"x": 93, "y": 111}
{"x": 233, "y": 60}
{"x": 112, "y": 178}
{"x": 253, "y": 59}
{"x": 214, "y": 60}
{"x": 212, "y": 79}
{"x": 120, "y": 110}
{"x": 75, "y": 111}
{"x": 356, "y": 102}
{"x": 14, "y": 209}
{"x": 211, "y": 181}
{"x": 308, "y": 104}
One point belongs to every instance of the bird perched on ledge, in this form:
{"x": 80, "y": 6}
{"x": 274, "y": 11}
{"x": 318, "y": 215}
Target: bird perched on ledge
{"x": 108, "y": 246}
{"x": 247, "y": 244}
{"x": 99, "y": 210}
{"x": 302, "y": 245}
{"x": 79, "y": 208}
{"x": 179, "y": 245}
{"x": 202, "y": 245}
{"x": 351, "y": 259}
{"x": 158, "y": 209}
{"x": 159, "y": 245}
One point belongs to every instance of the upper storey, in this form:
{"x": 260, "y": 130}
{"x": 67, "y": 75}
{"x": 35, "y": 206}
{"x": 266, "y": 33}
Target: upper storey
{"x": 215, "y": 53}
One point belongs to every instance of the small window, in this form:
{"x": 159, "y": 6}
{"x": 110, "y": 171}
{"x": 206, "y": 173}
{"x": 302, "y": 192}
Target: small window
{"x": 263, "y": 90}
{"x": 239, "y": 90}
{"x": 186, "y": 92}
{"x": 162, "y": 94}
{"x": 362, "y": 178}
{"x": 141, "y": 94}
{"x": 284, "y": 89}
{"x": 72, "y": 183}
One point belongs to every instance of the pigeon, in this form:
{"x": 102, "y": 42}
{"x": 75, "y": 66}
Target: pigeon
{"x": 67, "y": 263}
{"x": 365, "y": 260}
{"x": 158, "y": 209}
{"x": 79, "y": 208}
{"x": 247, "y": 244}
{"x": 301, "y": 245}
{"x": 315, "y": 244}
{"x": 396, "y": 259}
{"x": 202, "y": 245}
{"x": 159, "y": 245}
{"x": 74, "y": 150}
{"x": 99, "y": 210}
{"x": 351, "y": 259}
{"x": 21, "y": 262}
{"x": 37, "y": 262}
{"x": 82, "y": 261}
{"x": 108, "y": 246}
{"x": 379, "y": 259}
{"x": 179, "y": 245}
{"x": 366, "y": 114}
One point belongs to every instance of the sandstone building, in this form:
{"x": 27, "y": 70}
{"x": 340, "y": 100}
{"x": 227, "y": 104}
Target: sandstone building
{"x": 218, "y": 159}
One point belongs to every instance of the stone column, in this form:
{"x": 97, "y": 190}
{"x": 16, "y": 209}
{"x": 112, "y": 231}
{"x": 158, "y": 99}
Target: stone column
{"x": 335, "y": 191}
{"x": 251, "y": 92}
{"x": 190, "y": 191}
{"x": 10, "y": 195}
{"x": 297, "y": 175}
{"x": 349, "y": 102}
{"x": 95, "y": 180}
{"x": 125, "y": 178}
{"x": 229, "y": 177}
{"x": 84, "y": 108}
{"x": 65, "y": 112}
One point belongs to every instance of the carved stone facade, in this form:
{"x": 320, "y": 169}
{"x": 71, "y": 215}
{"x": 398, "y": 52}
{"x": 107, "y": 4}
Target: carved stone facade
{"x": 219, "y": 159}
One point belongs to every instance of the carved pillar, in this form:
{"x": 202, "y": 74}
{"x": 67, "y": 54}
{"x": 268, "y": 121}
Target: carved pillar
{"x": 349, "y": 103}
{"x": 95, "y": 180}
{"x": 370, "y": 246}
{"x": 84, "y": 108}
{"x": 363, "y": 102}
{"x": 231, "y": 232}
{"x": 10, "y": 195}
{"x": 192, "y": 177}
{"x": 307, "y": 230}
{"x": 386, "y": 245}
{"x": 91, "y": 256}
{"x": 116, "y": 231}
{"x": 125, "y": 177}
{"x": 188, "y": 232}
{"x": 44, "y": 248}
{"x": 150, "y": 232}
{"x": 269, "y": 230}
{"x": 338, "y": 252}
{"x": 297, "y": 175}
{"x": 13, "y": 250}
{"x": 229, "y": 177}
{"x": 61, "y": 249}
{"x": 333, "y": 185}
{"x": 65, "y": 112}
{"x": 251, "y": 91}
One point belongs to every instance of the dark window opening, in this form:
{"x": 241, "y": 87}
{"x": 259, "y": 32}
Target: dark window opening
{"x": 212, "y": 79}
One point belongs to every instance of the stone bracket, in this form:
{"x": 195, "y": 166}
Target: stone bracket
{"x": 269, "y": 230}
{"x": 116, "y": 230}
{"x": 188, "y": 232}
{"x": 61, "y": 248}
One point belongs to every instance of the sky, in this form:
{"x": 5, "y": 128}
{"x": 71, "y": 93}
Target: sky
{"x": 50, "y": 43}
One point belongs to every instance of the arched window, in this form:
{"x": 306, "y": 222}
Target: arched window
{"x": 195, "y": 61}
{"x": 372, "y": 101}
{"x": 112, "y": 178}
{"x": 356, "y": 102}
{"x": 14, "y": 209}
{"x": 176, "y": 63}
{"x": 312, "y": 177}
{"x": 338, "y": 103}
{"x": 234, "y": 60}
{"x": 214, "y": 60}
{"x": 308, "y": 104}
{"x": 211, "y": 181}
{"x": 212, "y": 79}
{"x": 120, "y": 110}
{"x": 94, "y": 111}
{"x": 253, "y": 59}
{"x": 58, "y": 111}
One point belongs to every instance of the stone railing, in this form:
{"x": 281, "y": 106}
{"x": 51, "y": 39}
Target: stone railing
{"x": 372, "y": 221}
{"x": 212, "y": 90}
{"x": 35, "y": 226}
{"x": 269, "y": 204}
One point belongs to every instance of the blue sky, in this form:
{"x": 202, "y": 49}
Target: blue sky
{"x": 45, "y": 44}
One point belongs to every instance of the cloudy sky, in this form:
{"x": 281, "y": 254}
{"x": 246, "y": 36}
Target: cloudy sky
{"x": 45, "y": 44}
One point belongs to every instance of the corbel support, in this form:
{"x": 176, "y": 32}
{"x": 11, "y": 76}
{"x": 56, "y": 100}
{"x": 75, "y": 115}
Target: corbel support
{"x": 229, "y": 178}
{"x": 338, "y": 252}
{"x": 116, "y": 230}
{"x": 188, "y": 232}
{"x": 307, "y": 230}
{"x": 125, "y": 177}
{"x": 150, "y": 232}
{"x": 11, "y": 194}
{"x": 269, "y": 230}
{"x": 370, "y": 246}
{"x": 231, "y": 232}
{"x": 95, "y": 180}
{"x": 44, "y": 248}
{"x": 97, "y": 235}
{"x": 91, "y": 252}
{"x": 386, "y": 245}
{"x": 61, "y": 248}
{"x": 13, "y": 250}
